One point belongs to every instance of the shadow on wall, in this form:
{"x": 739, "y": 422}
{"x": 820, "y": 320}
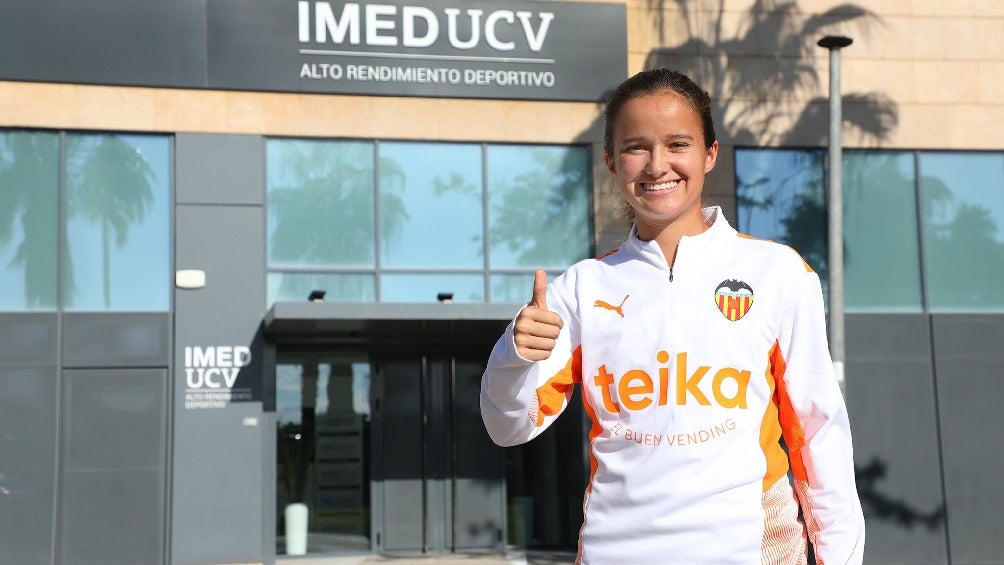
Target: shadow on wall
{"x": 762, "y": 70}
{"x": 878, "y": 505}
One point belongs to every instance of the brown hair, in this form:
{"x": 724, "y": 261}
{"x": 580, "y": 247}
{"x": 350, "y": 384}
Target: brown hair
{"x": 649, "y": 82}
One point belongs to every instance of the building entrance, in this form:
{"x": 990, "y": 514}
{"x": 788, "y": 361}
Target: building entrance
{"x": 440, "y": 479}
{"x": 384, "y": 450}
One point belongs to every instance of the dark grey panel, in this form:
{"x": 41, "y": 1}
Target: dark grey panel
{"x": 401, "y": 455}
{"x": 140, "y": 42}
{"x": 219, "y": 169}
{"x": 890, "y": 399}
{"x": 28, "y": 338}
{"x": 480, "y": 475}
{"x": 970, "y": 353}
{"x": 114, "y": 473}
{"x": 116, "y": 340}
{"x": 218, "y": 452}
{"x": 27, "y": 463}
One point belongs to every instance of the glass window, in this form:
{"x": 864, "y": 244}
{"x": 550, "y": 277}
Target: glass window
{"x": 539, "y": 206}
{"x": 412, "y": 287}
{"x": 428, "y": 225}
{"x": 320, "y": 203}
{"x": 431, "y": 205}
{"x": 780, "y": 196}
{"x": 881, "y": 252}
{"x": 339, "y": 287}
{"x": 963, "y": 215}
{"x": 29, "y": 194}
{"x": 117, "y": 223}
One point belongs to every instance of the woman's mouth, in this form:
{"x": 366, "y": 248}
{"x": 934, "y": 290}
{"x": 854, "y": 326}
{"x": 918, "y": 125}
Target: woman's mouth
{"x": 652, "y": 187}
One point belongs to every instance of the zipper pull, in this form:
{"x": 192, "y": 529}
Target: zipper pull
{"x": 671, "y": 274}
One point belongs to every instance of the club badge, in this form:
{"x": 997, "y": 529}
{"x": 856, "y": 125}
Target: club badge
{"x": 734, "y": 298}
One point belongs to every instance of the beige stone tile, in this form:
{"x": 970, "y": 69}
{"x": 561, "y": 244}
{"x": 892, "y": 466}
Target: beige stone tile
{"x": 109, "y": 107}
{"x": 968, "y": 126}
{"x": 893, "y": 39}
{"x": 988, "y": 8}
{"x": 921, "y": 126}
{"x": 991, "y": 82}
{"x": 647, "y": 33}
{"x": 927, "y": 38}
{"x": 946, "y": 82}
{"x": 974, "y": 39}
{"x": 728, "y": 5}
{"x": 188, "y": 110}
{"x": 893, "y": 78}
{"x": 942, "y": 7}
{"x": 37, "y": 104}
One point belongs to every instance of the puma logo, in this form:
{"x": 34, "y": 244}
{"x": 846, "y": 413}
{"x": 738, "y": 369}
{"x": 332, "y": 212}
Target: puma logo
{"x": 608, "y": 306}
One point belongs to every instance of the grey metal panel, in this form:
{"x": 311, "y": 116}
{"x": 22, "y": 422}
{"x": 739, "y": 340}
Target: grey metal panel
{"x": 114, "y": 471}
{"x": 27, "y": 463}
{"x": 438, "y": 455}
{"x": 401, "y": 456}
{"x": 969, "y": 352}
{"x": 140, "y": 42}
{"x": 219, "y": 169}
{"x": 890, "y": 399}
{"x": 28, "y": 338}
{"x": 116, "y": 339}
{"x": 218, "y": 453}
{"x": 480, "y": 473}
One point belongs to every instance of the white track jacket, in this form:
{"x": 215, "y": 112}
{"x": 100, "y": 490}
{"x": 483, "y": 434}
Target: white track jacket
{"x": 691, "y": 375}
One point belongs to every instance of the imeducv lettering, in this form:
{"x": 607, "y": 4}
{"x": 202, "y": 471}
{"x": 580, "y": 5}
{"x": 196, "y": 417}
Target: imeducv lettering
{"x": 636, "y": 389}
{"x": 386, "y": 25}
{"x": 214, "y": 367}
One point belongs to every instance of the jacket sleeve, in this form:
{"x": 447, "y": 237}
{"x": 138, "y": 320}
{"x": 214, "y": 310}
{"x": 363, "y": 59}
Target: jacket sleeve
{"x": 520, "y": 398}
{"x": 817, "y": 431}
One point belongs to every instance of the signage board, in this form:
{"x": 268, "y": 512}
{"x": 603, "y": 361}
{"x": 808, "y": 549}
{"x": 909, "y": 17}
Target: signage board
{"x": 523, "y": 50}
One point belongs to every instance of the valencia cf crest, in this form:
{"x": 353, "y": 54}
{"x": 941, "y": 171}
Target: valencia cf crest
{"x": 734, "y": 298}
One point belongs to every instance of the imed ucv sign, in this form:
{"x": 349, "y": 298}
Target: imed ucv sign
{"x": 441, "y": 48}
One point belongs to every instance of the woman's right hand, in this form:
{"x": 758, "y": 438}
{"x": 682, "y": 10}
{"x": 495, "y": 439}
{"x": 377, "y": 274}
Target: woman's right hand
{"x": 537, "y": 328}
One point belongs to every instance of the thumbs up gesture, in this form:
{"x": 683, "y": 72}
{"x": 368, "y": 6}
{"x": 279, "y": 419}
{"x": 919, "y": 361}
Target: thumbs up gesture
{"x": 536, "y": 327}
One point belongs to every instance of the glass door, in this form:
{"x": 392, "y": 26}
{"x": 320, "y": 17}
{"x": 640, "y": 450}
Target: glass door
{"x": 322, "y": 454}
{"x": 441, "y": 479}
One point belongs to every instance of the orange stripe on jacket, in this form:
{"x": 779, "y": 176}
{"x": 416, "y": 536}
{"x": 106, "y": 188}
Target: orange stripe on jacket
{"x": 552, "y": 394}
{"x": 791, "y": 428}
{"x": 770, "y": 432}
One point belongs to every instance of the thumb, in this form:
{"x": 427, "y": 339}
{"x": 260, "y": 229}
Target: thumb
{"x": 539, "y": 298}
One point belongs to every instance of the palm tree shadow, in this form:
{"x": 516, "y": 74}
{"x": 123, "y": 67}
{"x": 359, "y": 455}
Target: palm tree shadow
{"x": 878, "y": 505}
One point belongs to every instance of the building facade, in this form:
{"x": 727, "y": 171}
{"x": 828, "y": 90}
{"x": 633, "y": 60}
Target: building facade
{"x": 254, "y": 254}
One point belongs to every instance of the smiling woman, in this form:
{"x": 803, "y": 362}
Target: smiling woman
{"x": 680, "y": 358}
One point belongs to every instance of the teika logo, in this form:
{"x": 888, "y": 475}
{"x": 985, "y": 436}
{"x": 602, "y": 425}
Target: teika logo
{"x": 384, "y": 25}
{"x": 636, "y": 389}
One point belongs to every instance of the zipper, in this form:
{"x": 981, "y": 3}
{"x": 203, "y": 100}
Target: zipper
{"x": 671, "y": 274}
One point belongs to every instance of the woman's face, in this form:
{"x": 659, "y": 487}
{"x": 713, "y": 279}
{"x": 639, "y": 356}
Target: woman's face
{"x": 659, "y": 160}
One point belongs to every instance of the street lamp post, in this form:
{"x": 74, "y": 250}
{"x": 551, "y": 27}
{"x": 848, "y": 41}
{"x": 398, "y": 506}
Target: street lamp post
{"x": 834, "y": 43}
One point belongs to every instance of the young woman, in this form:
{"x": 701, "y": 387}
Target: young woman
{"x": 697, "y": 349}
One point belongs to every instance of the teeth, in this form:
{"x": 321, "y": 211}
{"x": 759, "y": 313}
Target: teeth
{"x": 660, "y": 186}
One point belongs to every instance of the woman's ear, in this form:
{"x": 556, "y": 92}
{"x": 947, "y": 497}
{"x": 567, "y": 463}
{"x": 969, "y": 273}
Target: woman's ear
{"x": 711, "y": 157}
{"x": 611, "y": 163}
